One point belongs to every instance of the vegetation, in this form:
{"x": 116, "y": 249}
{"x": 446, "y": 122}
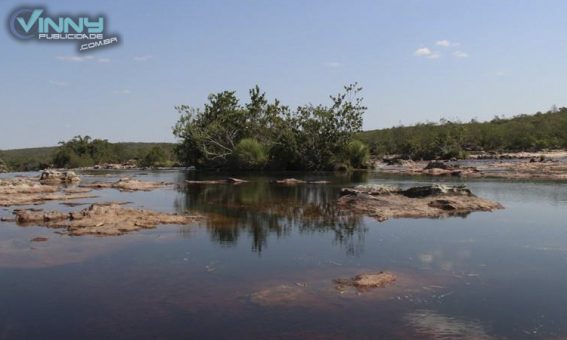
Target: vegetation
{"x": 250, "y": 154}
{"x": 83, "y": 151}
{"x": 157, "y": 156}
{"x": 357, "y": 153}
{"x": 268, "y": 135}
{"x": 3, "y": 166}
{"x": 455, "y": 139}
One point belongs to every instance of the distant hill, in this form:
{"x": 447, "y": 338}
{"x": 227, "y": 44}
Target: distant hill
{"x": 36, "y": 158}
{"x": 454, "y": 139}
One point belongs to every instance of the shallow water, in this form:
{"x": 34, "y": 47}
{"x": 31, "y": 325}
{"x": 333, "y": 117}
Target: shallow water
{"x": 263, "y": 265}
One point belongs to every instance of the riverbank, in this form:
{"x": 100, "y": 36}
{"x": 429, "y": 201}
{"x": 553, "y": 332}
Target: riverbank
{"x": 545, "y": 165}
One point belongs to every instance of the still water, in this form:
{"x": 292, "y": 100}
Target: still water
{"x": 262, "y": 266}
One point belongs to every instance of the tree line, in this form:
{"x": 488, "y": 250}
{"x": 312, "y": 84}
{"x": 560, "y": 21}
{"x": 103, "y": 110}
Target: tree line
{"x": 448, "y": 139}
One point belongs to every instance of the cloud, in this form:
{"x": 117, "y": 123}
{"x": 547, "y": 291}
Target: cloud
{"x": 446, "y": 43}
{"x": 500, "y": 73}
{"x": 74, "y": 58}
{"x": 123, "y": 92}
{"x": 143, "y": 58}
{"x": 461, "y": 54}
{"x": 58, "y": 83}
{"x": 80, "y": 59}
{"x": 332, "y": 64}
{"x": 426, "y": 53}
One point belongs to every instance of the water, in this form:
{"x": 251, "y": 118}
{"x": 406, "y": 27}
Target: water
{"x": 262, "y": 266}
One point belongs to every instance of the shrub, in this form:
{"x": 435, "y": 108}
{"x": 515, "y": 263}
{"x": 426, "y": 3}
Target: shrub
{"x": 155, "y": 157}
{"x": 250, "y": 154}
{"x": 358, "y": 154}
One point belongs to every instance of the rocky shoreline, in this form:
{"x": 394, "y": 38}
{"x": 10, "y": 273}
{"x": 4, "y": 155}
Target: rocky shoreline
{"x": 523, "y": 166}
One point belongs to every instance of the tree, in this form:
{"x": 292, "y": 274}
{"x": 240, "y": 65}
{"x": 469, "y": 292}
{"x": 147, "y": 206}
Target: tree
{"x": 312, "y": 137}
{"x": 156, "y": 156}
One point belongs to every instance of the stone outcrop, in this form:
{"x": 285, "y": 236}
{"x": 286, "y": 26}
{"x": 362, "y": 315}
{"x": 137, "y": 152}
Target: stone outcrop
{"x": 385, "y": 202}
{"x": 127, "y": 184}
{"x": 101, "y": 219}
{"x": 22, "y": 191}
{"x": 367, "y": 280}
{"x": 58, "y": 177}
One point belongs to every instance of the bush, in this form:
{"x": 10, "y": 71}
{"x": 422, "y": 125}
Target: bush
{"x": 155, "y": 157}
{"x": 358, "y": 154}
{"x": 250, "y": 154}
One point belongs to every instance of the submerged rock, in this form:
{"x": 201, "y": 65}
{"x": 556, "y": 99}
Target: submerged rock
{"x": 384, "y": 202}
{"x": 286, "y": 295}
{"x": 127, "y": 184}
{"x": 56, "y": 177}
{"x": 230, "y": 180}
{"x": 39, "y": 239}
{"x": 289, "y": 181}
{"x": 101, "y": 219}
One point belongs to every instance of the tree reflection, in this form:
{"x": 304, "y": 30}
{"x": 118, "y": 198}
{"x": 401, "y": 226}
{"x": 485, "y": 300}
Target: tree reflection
{"x": 261, "y": 209}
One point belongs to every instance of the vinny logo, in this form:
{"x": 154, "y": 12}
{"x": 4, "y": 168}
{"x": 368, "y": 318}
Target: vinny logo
{"x": 35, "y": 24}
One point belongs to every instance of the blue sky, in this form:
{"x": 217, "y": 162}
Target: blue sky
{"x": 418, "y": 60}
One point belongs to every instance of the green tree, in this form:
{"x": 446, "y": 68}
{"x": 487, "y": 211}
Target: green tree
{"x": 156, "y": 156}
{"x": 311, "y": 137}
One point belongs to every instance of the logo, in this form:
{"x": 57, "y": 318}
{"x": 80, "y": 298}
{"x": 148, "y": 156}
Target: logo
{"x": 35, "y": 24}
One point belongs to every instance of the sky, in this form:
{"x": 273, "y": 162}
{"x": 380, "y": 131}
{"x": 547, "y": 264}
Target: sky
{"x": 417, "y": 60}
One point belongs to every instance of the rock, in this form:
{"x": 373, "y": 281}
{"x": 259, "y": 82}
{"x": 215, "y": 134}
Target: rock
{"x": 230, "y": 180}
{"x": 436, "y": 189}
{"x": 20, "y": 191}
{"x": 39, "y": 239}
{"x": 102, "y": 219}
{"x": 289, "y": 181}
{"x": 378, "y": 189}
{"x": 278, "y": 295}
{"x": 127, "y": 184}
{"x": 438, "y": 165}
{"x": 424, "y": 201}
{"x": 367, "y": 280}
{"x": 56, "y": 177}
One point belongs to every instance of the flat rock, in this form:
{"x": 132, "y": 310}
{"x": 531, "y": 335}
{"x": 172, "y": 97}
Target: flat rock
{"x": 367, "y": 280}
{"x": 289, "y": 181}
{"x": 127, "y": 184}
{"x": 434, "y": 201}
{"x": 101, "y": 219}
{"x": 230, "y": 180}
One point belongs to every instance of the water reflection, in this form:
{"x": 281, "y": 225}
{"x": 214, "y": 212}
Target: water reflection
{"x": 260, "y": 209}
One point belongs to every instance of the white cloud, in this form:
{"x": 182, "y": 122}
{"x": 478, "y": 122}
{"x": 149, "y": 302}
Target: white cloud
{"x": 74, "y": 58}
{"x": 58, "y": 83}
{"x": 461, "y": 54}
{"x": 123, "y": 92}
{"x": 104, "y": 60}
{"x": 426, "y": 53}
{"x": 332, "y": 64}
{"x": 143, "y": 58}
{"x": 500, "y": 73}
{"x": 444, "y": 43}
{"x": 422, "y": 52}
